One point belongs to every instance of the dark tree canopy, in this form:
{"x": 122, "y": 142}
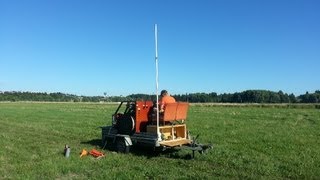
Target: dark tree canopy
{"x": 248, "y": 96}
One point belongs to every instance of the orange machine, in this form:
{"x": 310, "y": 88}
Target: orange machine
{"x": 135, "y": 123}
{"x": 143, "y": 110}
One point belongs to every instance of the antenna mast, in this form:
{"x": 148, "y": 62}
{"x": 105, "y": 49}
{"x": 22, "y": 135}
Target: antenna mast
{"x": 157, "y": 78}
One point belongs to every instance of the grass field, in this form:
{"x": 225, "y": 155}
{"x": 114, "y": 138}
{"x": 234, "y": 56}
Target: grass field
{"x": 249, "y": 142}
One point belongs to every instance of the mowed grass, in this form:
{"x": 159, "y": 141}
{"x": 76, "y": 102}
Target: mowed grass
{"x": 249, "y": 142}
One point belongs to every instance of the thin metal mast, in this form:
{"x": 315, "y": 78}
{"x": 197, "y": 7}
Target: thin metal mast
{"x": 157, "y": 78}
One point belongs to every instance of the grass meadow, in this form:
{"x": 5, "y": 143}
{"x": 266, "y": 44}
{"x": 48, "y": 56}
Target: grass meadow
{"x": 249, "y": 143}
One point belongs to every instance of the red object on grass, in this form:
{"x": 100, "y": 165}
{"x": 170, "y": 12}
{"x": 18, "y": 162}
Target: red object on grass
{"x": 96, "y": 153}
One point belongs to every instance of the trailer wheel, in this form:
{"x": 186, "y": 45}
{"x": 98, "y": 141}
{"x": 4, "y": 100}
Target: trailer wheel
{"x": 121, "y": 146}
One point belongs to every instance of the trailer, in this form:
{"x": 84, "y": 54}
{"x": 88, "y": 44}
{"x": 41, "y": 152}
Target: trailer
{"x": 139, "y": 123}
{"x": 134, "y": 123}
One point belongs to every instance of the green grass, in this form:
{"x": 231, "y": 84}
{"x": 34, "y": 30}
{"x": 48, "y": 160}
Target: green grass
{"x": 249, "y": 142}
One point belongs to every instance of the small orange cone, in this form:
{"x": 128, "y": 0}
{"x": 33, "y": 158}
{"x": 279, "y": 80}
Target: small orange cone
{"x": 83, "y": 153}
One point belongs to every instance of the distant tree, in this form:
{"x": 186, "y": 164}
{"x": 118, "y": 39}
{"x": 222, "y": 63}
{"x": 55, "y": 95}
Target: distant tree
{"x": 292, "y": 98}
{"x": 248, "y": 96}
{"x": 284, "y": 98}
{"x": 236, "y": 97}
{"x": 312, "y": 98}
{"x": 274, "y": 98}
{"x": 304, "y": 98}
{"x": 213, "y": 97}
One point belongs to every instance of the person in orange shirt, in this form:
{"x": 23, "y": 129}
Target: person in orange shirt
{"x": 165, "y": 98}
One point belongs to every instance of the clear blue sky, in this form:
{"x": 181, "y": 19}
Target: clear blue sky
{"x": 224, "y": 46}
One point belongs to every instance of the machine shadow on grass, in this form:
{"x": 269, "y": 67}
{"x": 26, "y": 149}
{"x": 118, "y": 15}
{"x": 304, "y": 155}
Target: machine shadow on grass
{"x": 93, "y": 142}
{"x": 145, "y": 151}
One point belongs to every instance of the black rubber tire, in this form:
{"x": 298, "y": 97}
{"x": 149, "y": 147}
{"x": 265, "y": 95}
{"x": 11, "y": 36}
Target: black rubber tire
{"x": 121, "y": 145}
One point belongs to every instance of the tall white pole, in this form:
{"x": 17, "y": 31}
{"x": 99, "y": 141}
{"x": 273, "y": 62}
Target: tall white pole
{"x": 157, "y": 78}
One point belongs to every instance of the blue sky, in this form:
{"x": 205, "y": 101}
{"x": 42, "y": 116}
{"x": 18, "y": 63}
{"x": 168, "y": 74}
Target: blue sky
{"x": 224, "y": 46}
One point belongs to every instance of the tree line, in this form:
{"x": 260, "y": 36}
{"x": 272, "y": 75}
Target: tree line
{"x": 249, "y": 96}
{"x": 252, "y": 96}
